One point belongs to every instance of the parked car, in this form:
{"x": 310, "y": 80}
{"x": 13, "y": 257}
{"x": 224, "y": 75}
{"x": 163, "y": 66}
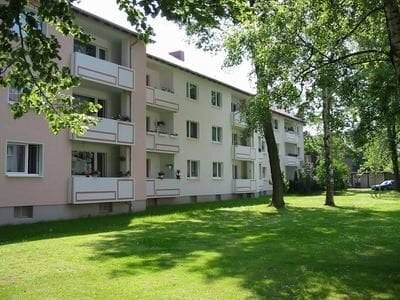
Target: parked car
{"x": 386, "y": 185}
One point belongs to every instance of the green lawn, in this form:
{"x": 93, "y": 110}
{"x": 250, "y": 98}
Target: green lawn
{"x": 225, "y": 250}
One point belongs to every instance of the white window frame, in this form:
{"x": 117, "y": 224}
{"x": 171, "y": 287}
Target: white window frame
{"x": 25, "y": 173}
{"x": 188, "y": 130}
{"x": 189, "y": 170}
{"x": 96, "y": 101}
{"x": 218, "y": 134}
{"x": 98, "y": 48}
{"x": 220, "y": 170}
{"x": 188, "y": 84}
{"x": 15, "y": 92}
{"x": 276, "y": 124}
{"x": 218, "y": 99}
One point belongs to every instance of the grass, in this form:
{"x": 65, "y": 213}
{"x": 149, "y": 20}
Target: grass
{"x": 224, "y": 250}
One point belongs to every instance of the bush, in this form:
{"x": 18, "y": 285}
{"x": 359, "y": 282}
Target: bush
{"x": 340, "y": 174}
{"x": 304, "y": 184}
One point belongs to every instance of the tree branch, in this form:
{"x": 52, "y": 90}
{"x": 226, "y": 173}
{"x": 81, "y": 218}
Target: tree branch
{"x": 323, "y": 64}
{"x": 28, "y": 67}
{"x": 354, "y": 29}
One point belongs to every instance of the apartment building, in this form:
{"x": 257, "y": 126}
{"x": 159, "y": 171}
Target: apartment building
{"x": 167, "y": 134}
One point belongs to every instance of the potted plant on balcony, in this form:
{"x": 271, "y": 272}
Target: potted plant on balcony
{"x": 161, "y": 175}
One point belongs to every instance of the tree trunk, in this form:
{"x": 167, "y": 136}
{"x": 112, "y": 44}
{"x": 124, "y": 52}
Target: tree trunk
{"x": 326, "y": 116}
{"x": 391, "y": 134}
{"x": 273, "y": 154}
{"x": 392, "y": 14}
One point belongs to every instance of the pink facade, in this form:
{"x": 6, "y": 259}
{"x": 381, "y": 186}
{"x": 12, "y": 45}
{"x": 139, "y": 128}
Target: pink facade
{"x": 51, "y": 193}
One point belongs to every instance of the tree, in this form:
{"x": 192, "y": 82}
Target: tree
{"x": 28, "y": 63}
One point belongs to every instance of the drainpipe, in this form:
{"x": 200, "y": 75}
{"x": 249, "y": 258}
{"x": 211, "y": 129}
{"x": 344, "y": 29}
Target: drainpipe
{"x": 130, "y": 112}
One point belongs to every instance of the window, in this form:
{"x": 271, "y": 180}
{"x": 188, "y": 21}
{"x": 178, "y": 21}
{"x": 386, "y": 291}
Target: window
{"x": 148, "y": 167}
{"x": 24, "y": 159}
{"x": 22, "y": 19}
{"x": 106, "y": 207}
{"x": 89, "y": 163}
{"x": 90, "y": 49}
{"x": 234, "y": 171}
{"x": 13, "y": 95}
{"x": 23, "y": 212}
{"x": 102, "y": 112}
{"x": 192, "y": 129}
{"x": 191, "y": 91}
{"x": 261, "y": 144}
{"x": 264, "y": 172}
{"x": 147, "y": 80}
{"x": 193, "y": 168}
{"x": 216, "y": 99}
{"x": 216, "y": 134}
{"x": 234, "y": 139}
{"x": 276, "y": 125}
{"x": 147, "y": 123}
{"x": 234, "y": 107}
{"x": 260, "y": 170}
{"x": 217, "y": 170}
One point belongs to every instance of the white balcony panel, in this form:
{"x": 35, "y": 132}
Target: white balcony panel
{"x": 162, "y": 99}
{"x": 291, "y": 137}
{"x": 101, "y": 189}
{"x": 162, "y": 188}
{"x": 160, "y": 142}
{"x": 110, "y": 132}
{"x": 102, "y": 71}
{"x": 238, "y": 119}
{"x": 292, "y": 161}
{"x": 244, "y": 153}
{"x": 244, "y": 185}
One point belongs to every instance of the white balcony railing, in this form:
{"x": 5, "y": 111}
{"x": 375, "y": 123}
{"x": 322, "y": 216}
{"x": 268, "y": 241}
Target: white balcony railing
{"x": 244, "y": 153}
{"x": 292, "y": 161}
{"x": 162, "y": 142}
{"x": 86, "y": 190}
{"x": 291, "y": 137}
{"x": 162, "y": 188}
{"x": 102, "y": 71}
{"x": 244, "y": 186}
{"x": 238, "y": 120}
{"x": 162, "y": 99}
{"x": 109, "y": 131}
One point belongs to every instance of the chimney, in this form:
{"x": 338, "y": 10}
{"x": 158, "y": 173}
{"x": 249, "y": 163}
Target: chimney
{"x": 179, "y": 54}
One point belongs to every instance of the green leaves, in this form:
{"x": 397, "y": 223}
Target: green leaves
{"x": 29, "y": 63}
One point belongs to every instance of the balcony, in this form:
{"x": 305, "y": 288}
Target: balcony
{"x": 292, "y": 160}
{"x": 86, "y": 190}
{"x": 244, "y": 186}
{"x": 291, "y": 137}
{"x": 161, "y": 99}
{"x": 101, "y": 71}
{"x": 162, "y": 142}
{"x": 162, "y": 188}
{"x": 244, "y": 153}
{"x": 238, "y": 120}
{"x": 109, "y": 131}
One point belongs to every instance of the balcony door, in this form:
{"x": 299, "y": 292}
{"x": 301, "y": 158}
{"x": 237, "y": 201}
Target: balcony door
{"x": 89, "y": 163}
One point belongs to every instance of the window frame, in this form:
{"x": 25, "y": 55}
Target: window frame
{"x": 188, "y": 94}
{"x": 219, "y": 168}
{"x": 218, "y": 99}
{"x": 189, "y": 169}
{"x": 104, "y": 108}
{"x": 189, "y": 130}
{"x": 26, "y": 158}
{"x": 218, "y": 134}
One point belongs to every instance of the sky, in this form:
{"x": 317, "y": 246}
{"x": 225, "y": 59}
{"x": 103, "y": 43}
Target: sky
{"x": 169, "y": 37}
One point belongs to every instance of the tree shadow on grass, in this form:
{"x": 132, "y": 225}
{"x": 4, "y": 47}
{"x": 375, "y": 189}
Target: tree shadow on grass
{"x": 58, "y": 229}
{"x": 295, "y": 253}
